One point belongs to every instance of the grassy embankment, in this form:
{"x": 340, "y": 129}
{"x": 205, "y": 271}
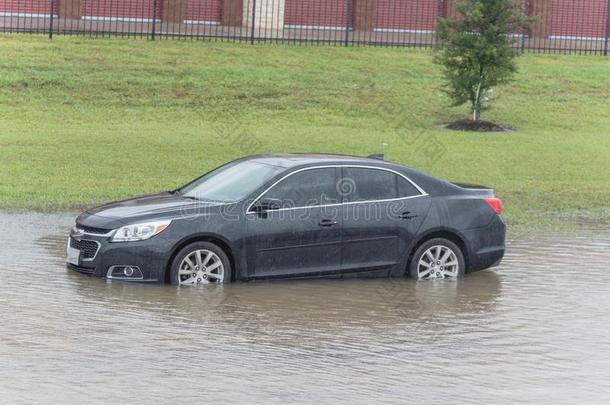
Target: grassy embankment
{"x": 84, "y": 121}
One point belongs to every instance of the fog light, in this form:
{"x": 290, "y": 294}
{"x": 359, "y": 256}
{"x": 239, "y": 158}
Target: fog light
{"x": 125, "y": 273}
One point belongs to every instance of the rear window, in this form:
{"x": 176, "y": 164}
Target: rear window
{"x": 365, "y": 184}
{"x": 405, "y": 188}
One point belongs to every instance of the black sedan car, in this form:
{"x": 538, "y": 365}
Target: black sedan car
{"x": 294, "y": 216}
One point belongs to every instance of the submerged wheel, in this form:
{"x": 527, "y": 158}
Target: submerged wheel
{"x": 437, "y": 258}
{"x": 200, "y": 263}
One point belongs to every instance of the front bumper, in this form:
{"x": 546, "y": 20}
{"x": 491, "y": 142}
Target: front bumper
{"x": 149, "y": 256}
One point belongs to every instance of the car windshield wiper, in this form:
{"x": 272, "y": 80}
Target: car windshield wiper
{"x": 177, "y": 192}
{"x": 205, "y": 200}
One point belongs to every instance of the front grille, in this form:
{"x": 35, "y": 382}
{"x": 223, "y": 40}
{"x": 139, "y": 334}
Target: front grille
{"x": 88, "y": 248}
{"x": 90, "y": 229}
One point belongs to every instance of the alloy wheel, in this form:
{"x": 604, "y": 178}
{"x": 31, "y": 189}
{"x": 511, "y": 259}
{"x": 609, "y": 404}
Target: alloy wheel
{"x": 438, "y": 262}
{"x": 201, "y": 267}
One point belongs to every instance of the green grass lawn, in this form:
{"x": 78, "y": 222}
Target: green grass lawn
{"x": 84, "y": 121}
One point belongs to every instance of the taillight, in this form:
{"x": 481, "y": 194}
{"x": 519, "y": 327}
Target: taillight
{"x": 495, "y": 204}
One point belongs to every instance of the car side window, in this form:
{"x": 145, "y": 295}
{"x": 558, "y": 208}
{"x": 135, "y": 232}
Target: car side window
{"x": 405, "y": 188}
{"x": 306, "y": 189}
{"x": 364, "y": 184}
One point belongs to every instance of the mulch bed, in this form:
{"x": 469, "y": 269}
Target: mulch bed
{"x": 477, "y": 126}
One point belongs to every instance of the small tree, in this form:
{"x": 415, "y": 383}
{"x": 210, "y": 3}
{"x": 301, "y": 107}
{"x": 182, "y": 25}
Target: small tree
{"x": 477, "y": 50}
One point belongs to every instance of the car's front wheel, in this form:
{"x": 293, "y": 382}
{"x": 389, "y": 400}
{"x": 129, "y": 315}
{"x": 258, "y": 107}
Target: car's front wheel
{"x": 437, "y": 258}
{"x": 200, "y": 263}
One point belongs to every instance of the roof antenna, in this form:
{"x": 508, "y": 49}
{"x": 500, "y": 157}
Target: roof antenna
{"x": 378, "y": 156}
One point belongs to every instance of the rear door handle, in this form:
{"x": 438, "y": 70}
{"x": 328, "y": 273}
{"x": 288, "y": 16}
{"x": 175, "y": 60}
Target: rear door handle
{"x": 327, "y": 222}
{"x": 407, "y": 215}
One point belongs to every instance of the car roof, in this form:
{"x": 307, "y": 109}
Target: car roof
{"x": 291, "y": 160}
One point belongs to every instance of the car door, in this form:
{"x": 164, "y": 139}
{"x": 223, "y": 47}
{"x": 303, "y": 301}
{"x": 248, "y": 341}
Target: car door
{"x": 303, "y": 236}
{"x": 382, "y": 212}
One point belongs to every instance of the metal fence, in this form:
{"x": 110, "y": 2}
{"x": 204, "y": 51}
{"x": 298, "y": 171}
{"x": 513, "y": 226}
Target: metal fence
{"x": 579, "y": 26}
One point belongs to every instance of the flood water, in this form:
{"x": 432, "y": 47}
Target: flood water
{"x": 536, "y": 329}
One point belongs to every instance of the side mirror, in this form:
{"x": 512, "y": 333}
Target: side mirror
{"x": 267, "y": 204}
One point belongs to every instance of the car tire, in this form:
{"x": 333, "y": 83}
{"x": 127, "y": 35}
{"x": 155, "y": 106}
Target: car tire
{"x": 201, "y": 274}
{"x": 438, "y": 268}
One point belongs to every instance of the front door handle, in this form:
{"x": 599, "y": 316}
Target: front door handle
{"x": 327, "y": 222}
{"x": 407, "y": 215}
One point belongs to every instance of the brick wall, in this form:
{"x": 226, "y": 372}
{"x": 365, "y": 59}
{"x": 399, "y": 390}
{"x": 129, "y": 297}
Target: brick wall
{"x": 320, "y": 13}
{"x": 208, "y": 10}
{"x": 119, "y": 9}
{"x": 27, "y": 7}
{"x": 406, "y": 15}
{"x": 571, "y": 18}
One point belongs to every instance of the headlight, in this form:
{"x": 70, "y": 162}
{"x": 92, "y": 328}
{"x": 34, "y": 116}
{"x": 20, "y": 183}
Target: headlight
{"x": 142, "y": 231}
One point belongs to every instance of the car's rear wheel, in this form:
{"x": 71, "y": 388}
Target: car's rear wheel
{"x": 437, "y": 258}
{"x": 200, "y": 263}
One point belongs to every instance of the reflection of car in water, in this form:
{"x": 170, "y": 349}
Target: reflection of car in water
{"x": 320, "y": 308}
{"x": 294, "y": 216}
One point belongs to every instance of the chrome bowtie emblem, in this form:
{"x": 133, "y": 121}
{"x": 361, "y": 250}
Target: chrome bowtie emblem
{"x": 76, "y": 233}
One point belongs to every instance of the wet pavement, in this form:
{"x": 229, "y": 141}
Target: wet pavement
{"x": 536, "y": 329}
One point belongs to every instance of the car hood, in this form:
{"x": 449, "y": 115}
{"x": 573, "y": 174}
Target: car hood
{"x": 143, "y": 208}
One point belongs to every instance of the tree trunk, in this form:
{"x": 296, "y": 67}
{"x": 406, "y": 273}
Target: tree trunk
{"x": 476, "y": 105}
{"x": 478, "y": 95}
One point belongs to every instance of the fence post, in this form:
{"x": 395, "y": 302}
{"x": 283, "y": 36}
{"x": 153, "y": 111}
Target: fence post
{"x": 153, "y": 33}
{"x": 523, "y": 32}
{"x": 51, "y": 20}
{"x": 348, "y": 13}
{"x": 607, "y": 29}
{"x": 252, "y": 32}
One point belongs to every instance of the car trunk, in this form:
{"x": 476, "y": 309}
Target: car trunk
{"x": 476, "y": 189}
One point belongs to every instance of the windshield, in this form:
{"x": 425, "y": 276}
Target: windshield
{"x": 231, "y": 182}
